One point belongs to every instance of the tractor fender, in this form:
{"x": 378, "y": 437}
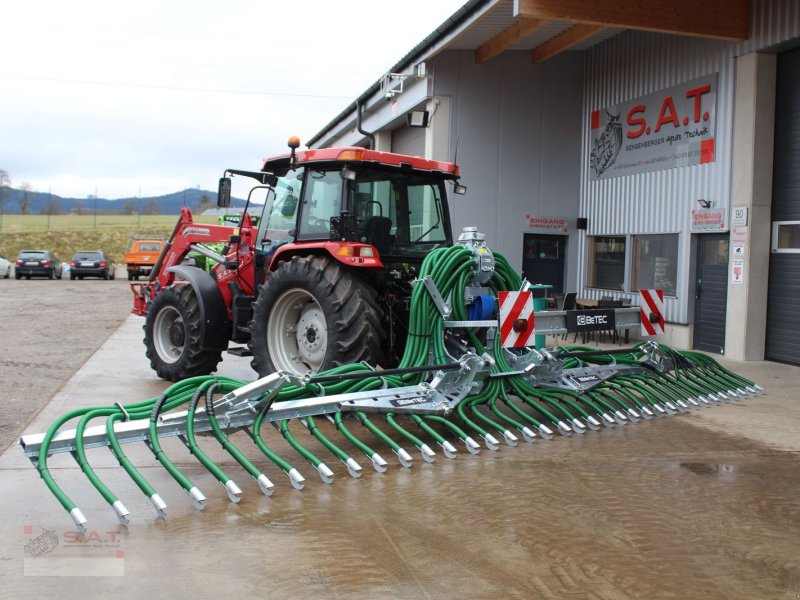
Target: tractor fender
{"x": 214, "y": 312}
{"x": 347, "y": 253}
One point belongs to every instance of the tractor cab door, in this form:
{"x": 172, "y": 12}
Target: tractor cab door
{"x": 280, "y": 216}
{"x": 321, "y": 200}
{"x": 278, "y": 221}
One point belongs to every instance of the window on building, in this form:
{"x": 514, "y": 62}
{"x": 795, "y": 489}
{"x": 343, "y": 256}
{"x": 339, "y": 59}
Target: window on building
{"x": 606, "y": 265}
{"x": 654, "y": 263}
{"x": 786, "y": 236}
{"x": 542, "y": 248}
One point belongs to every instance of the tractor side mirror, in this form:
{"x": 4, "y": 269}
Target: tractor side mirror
{"x": 459, "y": 189}
{"x": 224, "y": 192}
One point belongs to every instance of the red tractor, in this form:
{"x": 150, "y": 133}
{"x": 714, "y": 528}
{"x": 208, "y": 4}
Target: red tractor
{"x": 323, "y": 280}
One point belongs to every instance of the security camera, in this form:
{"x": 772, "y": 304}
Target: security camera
{"x": 388, "y": 96}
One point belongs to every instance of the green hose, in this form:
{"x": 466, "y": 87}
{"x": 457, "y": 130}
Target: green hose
{"x": 488, "y": 408}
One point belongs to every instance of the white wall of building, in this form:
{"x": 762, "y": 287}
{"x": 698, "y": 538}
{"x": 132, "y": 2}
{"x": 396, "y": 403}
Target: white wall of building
{"x": 517, "y": 126}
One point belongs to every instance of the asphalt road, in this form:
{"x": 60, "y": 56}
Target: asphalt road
{"x": 49, "y": 330}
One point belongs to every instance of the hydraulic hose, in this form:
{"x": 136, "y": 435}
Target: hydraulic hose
{"x": 499, "y": 401}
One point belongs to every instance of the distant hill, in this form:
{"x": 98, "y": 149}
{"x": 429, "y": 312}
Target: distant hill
{"x": 168, "y": 204}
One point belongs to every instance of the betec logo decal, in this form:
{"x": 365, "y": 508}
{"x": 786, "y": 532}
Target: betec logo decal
{"x": 592, "y": 320}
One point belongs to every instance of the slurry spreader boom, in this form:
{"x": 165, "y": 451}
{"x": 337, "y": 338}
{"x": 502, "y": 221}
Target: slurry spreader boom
{"x": 460, "y": 379}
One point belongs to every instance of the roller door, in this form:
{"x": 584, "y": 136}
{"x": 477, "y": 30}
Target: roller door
{"x": 409, "y": 140}
{"x": 783, "y": 318}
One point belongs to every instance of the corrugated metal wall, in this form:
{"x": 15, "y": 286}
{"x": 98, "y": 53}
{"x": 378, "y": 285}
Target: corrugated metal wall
{"x": 771, "y": 22}
{"x": 634, "y": 64}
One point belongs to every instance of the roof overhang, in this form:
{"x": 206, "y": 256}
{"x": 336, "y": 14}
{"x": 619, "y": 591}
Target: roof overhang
{"x": 582, "y": 20}
{"x": 545, "y": 28}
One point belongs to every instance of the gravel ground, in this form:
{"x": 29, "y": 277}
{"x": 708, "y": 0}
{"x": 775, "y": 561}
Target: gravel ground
{"x": 50, "y": 328}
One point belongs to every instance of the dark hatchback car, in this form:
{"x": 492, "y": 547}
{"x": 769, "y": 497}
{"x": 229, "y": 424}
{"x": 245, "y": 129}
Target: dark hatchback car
{"x": 91, "y": 263}
{"x": 37, "y": 263}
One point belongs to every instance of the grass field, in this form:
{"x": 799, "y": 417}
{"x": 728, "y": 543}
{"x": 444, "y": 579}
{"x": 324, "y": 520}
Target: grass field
{"x": 66, "y": 234}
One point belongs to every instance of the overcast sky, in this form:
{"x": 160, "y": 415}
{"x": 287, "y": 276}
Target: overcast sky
{"x": 110, "y": 98}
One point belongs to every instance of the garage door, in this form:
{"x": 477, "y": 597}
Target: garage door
{"x": 783, "y": 320}
{"x": 409, "y": 140}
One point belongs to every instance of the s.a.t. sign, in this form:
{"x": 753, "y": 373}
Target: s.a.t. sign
{"x": 671, "y": 128}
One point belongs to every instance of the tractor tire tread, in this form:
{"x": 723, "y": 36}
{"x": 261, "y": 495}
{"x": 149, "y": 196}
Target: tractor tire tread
{"x": 355, "y": 332}
{"x": 194, "y": 361}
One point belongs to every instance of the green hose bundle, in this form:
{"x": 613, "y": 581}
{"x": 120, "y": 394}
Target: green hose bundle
{"x": 504, "y": 402}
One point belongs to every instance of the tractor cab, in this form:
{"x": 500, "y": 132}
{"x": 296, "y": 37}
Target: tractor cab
{"x": 394, "y": 204}
{"x": 326, "y": 277}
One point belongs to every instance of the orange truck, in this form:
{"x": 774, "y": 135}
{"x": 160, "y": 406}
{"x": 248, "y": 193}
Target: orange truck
{"x": 141, "y": 256}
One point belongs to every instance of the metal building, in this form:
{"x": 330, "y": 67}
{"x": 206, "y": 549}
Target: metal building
{"x": 609, "y": 148}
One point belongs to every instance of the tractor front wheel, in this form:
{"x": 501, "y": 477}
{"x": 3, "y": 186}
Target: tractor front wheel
{"x": 311, "y": 315}
{"x": 172, "y": 335}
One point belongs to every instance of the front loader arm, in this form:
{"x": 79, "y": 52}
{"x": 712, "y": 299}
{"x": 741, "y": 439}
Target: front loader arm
{"x": 182, "y": 241}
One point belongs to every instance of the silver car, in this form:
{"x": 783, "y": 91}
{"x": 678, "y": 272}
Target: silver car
{"x": 5, "y": 268}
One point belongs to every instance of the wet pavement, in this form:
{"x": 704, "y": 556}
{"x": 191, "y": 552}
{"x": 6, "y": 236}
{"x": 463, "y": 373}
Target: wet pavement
{"x": 699, "y": 505}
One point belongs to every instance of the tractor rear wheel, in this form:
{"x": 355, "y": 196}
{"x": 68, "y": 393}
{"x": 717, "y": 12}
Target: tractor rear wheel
{"x": 172, "y": 335}
{"x": 313, "y": 314}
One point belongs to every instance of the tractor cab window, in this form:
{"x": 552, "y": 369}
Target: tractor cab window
{"x": 280, "y": 216}
{"x": 398, "y": 213}
{"x": 425, "y": 214}
{"x": 322, "y": 199}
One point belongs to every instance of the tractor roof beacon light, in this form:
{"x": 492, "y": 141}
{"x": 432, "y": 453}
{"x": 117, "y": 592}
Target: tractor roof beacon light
{"x": 294, "y": 144}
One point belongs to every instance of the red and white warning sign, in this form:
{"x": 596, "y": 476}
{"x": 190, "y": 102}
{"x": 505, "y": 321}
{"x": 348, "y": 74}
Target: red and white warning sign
{"x": 516, "y": 319}
{"x": 651, "y": 308}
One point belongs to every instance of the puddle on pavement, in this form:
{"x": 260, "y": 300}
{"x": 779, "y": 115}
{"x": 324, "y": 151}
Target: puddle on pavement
{"x": 708, "y": 468}
{"x": 657, "y": 509}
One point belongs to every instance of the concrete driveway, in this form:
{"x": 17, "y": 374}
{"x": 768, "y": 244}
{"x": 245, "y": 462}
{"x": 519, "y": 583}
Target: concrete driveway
{"x": 699, "y": 505}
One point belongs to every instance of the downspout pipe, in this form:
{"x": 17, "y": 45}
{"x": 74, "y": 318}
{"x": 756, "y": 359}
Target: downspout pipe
{"x": 359, "y": 128}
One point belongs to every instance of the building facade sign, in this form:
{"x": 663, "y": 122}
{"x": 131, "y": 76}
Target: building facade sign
{"x": 557, "y": 225}
{"x": 671, "y": 128}
{"x": 708, "y": 219}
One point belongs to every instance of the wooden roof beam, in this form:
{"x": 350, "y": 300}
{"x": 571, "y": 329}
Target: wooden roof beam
{"x": 519, "y": 30}
{"x": 720, "y": 19}
{"x": 564, "y": 41}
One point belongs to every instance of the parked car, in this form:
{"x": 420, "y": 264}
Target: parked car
{"x": 5, "y": 268}
{"x": 91, "y": 263}
{"x": 37, "y": 263}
